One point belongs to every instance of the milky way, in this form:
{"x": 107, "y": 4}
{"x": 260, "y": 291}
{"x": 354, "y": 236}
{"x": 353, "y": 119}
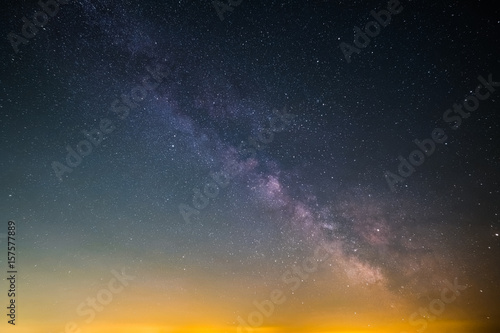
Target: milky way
{"x": 225, "y": 167}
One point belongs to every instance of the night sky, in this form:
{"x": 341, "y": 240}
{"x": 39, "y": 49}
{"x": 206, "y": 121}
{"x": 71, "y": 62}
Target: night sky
{"x": 251, "y": 166}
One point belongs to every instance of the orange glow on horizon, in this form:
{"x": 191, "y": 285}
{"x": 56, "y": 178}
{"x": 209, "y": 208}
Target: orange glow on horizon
{"x": 437, "y": 327}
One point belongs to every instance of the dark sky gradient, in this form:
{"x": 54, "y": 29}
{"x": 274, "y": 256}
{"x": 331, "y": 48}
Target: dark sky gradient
{"x": 319, "y": 181}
